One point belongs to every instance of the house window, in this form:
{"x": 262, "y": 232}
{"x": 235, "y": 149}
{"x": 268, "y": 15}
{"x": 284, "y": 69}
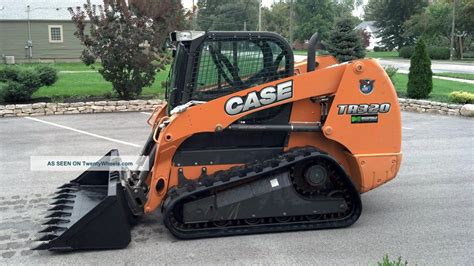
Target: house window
{"x": 55, "y": 33}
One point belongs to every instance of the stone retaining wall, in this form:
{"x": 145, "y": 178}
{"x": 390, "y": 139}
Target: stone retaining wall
{"x": 424, "y": 106}
{"x": 38, "y": 109}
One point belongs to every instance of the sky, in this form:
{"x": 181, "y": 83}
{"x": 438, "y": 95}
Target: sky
{"x": 189, "y": 3}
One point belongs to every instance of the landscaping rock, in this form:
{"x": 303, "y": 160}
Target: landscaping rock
{"x": 467, "y": 110}
{"x": 23, "y": 106}
{"x": 78, "y": 104}
{"x": 38, "y": 105}
{"x": 100, "y": 103}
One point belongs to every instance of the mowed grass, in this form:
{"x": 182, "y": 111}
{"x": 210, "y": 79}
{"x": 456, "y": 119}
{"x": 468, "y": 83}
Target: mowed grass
{"x": 441, "y": 88}
{"x": 89, "y": 84}
{"x": 386, "y": 54}
{"x": 456, "y": 75}
{"x": 78, "y": 66}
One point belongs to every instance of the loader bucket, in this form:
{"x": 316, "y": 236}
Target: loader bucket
{"x": 89, "y": 212}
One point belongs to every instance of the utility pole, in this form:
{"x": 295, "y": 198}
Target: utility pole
{"x": 29, "y": 43}
{"x": 291, "y": 23}
{"x": 451, "y": 53}
{"x": 193, "y": 18}
{"x": 260, "y": 16}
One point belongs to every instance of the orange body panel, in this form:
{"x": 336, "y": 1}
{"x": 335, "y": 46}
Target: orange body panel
{"x": 369, "y": 152}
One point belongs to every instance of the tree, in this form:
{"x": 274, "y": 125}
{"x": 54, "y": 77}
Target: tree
{"x": 344, "y": 42}
{"x": 365, "y": 37}
{"x": 231, "y": 15}
{"x": 314, "y": 16}
{"x": 128, "y": 40}
{"x": 389, "y": 16}
{"x": 420, "y": 78}
{"x": 277, "y": 19}
{"x": 434, "y": 24}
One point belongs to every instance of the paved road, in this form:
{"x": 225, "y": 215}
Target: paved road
{"x": 403, "y": 65}
{"x": 436, "y": 66}
{"x": 425, "y": 215}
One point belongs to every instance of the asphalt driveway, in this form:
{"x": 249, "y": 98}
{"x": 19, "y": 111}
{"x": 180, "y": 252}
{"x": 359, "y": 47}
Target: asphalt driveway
{"x": 424, "y": 215}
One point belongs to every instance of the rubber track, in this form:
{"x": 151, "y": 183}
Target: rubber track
{"x": 236, "y": 176}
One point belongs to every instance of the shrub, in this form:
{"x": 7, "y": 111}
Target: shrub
{"x": 391, "y": 71}
{"x": 461, "y": 97}
{"x": 15, "y": 92}
{"x": 30, "y": 79}
{"x": 379, "y": 49}
{"x": 20, "y": 84}
{"x": 438, "y": 53}
{"x": 406, "y": 52}
{"x": 420, "y": 78}
{"x": 435, "y": 52}
{"x": 47, "y": 75}
{"x": 386, "y": 261}
{"x": 9, "y": 73}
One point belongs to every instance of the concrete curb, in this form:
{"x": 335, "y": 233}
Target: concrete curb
{"x": 40, "y": 109}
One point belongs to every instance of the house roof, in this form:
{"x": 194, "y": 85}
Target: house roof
{"x": 39, "y": 9}
{"x": 367, "y": 24}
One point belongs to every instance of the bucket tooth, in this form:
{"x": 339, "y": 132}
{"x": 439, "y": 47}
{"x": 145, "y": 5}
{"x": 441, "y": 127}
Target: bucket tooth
{"x": 60, "y": 207}
{"x": 65, "y": 196}
{"x": 67, "y": 185}
{"x": 62, "y": 201}
{"x": 42, "y": 246}
{"x": 48, "y": 237}
{"x": 66, "y": 190}
{"x": 56, "y": 221}
{"x": 51, "y": 229}
{"x": 59, "y": 214}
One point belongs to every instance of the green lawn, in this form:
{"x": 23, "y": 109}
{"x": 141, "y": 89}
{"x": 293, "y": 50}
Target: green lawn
{"x": 388, "y": 54}
{"x": 89, "y": 85}
{"x": 456, "y": 75}
{"x": 65, "y": 66}
{"x": 441, "y": 88}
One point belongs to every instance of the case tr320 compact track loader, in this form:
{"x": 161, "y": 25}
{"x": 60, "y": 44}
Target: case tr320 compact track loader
{"x": 248, "y": 142}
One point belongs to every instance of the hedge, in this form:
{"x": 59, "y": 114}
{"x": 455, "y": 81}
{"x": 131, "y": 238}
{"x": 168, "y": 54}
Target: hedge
{"x": 435, "y": 52}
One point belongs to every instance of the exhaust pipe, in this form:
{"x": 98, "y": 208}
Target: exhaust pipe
{"x": 312, "y": 64}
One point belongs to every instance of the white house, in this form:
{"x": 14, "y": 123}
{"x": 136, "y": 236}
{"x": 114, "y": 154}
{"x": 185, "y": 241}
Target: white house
{"x": 370, "y": 27}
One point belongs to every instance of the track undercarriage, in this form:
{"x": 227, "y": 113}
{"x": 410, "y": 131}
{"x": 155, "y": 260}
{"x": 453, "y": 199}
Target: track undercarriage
{"x": 300, "y": 189}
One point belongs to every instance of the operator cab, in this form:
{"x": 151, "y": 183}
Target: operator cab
{"x": 209, "y": 65}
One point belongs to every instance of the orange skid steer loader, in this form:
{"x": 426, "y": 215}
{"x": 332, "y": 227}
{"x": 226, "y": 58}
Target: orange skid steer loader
{"x": 249, "y": 142}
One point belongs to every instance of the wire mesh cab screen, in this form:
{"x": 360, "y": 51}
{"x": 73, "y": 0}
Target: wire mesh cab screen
{"x": 230, "y": 64}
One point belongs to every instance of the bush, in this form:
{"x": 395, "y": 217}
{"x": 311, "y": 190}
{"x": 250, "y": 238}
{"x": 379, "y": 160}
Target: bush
{"x": 30, "y": 79}
{"x": 420, "y": 78}
{"x": 438, "y": 53}
{"x": 435, "y": 52}
{"x": 406, "y": 52}
{"x": 386, "y": 261}
{"x": 391, "y": 71}
{"x": 20, "y": 84}
{"x": 461, "y": 97}
{"x": 47, "y": 75}
{"x": 379, "y": 49}
{"x": 9, "y": 73}
{"x": 14, "y": 91}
